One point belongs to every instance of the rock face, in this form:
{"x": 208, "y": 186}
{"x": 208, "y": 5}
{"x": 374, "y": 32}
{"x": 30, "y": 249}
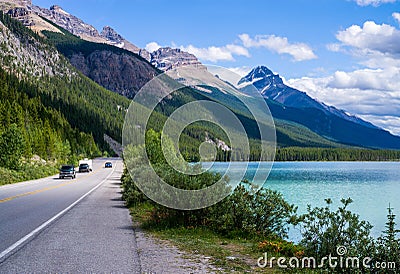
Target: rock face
{"x": 111, "y": 35}
{"x": 70, "y": 22}
{"x": 86, "y": 31}
{"x": 117, "y": 40}
{"x": 121, "y": 73}
{"x": 30, "y": 16}
{"x": 23, "y": 2}
{"x": 27, "y": 58}
{"x": 24, "y": 12}
{"x": 168, "y": 58}
{"x": 18, "y": 12}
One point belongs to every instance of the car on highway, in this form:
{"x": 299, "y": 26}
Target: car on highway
{"x": 67, "y": 171}
{"x": 84, "y": 168}
{"x": 108, "y": 165}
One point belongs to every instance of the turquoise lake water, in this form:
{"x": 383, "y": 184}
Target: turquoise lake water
{"x": 371, "y": 185}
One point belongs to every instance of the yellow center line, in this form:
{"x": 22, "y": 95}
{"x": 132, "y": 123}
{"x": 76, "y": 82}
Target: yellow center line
{"x": 43, "y": 189}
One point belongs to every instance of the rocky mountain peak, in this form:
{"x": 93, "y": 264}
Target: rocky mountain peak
{"x": 109, "y": 33}
{"x": 56, "y": 8}
{"x": 261, "y": 73}
{"x": 57, "y": 15}
{"x": 168, "y": 58}
{"x": 114, "y": 38}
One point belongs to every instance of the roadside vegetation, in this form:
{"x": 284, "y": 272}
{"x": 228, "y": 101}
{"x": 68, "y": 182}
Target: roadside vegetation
{"x": 50, "y": 121}
{"x": 35, "y": 139}
{"x": 237, "y": 231}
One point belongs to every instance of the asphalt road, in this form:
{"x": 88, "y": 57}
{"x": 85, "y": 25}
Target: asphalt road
{"x": 81, "y": 225}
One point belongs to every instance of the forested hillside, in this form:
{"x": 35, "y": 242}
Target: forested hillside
{"x": 116, "y": 69}
{"x": 51, "y": 113}
{"x": 85, "y": 105}
{"x": 36, "y": 129}
{"x": 50, "y": 109}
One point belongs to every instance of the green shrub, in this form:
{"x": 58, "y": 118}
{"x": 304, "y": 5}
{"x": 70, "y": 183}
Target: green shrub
{"x": 323, "y": 230}
{"x": 281, "y": 248}
{"x": 264, "y": 213}
{"x": 26, "y": 172}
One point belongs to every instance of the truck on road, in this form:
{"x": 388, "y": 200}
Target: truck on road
{"x": 88, "y": 162}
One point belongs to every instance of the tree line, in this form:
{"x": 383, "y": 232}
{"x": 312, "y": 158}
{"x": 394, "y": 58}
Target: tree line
{"x": 261, "y": 217}
{"x": 28, "y": 128}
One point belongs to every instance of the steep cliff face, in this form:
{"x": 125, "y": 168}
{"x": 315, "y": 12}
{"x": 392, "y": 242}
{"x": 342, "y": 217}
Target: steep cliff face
{"x": 121, "y": 73}
{"x": 70, "y": 22}
{"x": 27, "y": 57}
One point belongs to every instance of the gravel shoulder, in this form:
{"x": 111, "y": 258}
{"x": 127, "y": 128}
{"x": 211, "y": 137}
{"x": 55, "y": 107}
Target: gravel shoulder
{"x": 159, "y": 256}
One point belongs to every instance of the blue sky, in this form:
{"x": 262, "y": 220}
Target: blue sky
{"x": 342, "y": 52}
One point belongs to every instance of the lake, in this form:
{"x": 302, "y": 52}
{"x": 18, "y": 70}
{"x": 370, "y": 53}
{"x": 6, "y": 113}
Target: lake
{"x": 371, "y": 185}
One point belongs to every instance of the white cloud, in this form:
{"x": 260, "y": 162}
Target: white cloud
{"x": 391, "y": 123}
{"x": 241, "y": 71}
{"x": 335, "y": 47}
{"x": 396, "y": 16}
{"x": 370, "y": 94}
{"x": 374, "y": 3}
{"x": 215, "y": 54}
{"x": 152, "y": 46}
{"x": 280, "y": 45}
{"x": 371, "y": 38}
{"x": 373, "y": 79}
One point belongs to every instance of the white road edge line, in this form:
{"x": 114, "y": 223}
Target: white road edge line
{"x": 6, "y": 252}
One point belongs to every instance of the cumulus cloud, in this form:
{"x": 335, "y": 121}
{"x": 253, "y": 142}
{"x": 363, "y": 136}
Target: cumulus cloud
{"x": 152, "y": 46}
{"x": 371, "y": 38}
{"x": 374, "y": 3}
{"x": 374, "y": 79}
{"x": 280, "y": 45}
{"x": 370, "y": 94}
{"x": 396, "y": 16}
{"x": 215, "y": 54}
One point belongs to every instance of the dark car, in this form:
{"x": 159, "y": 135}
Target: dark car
{"x": 84, "y": 168}
{"x": 108, "y": 165}
{"x": 67, "y": 171}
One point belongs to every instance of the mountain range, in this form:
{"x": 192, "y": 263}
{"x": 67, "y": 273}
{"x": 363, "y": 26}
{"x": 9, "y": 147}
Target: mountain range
{"x": 118, "y": 65}
{"x": 291, "y": 104}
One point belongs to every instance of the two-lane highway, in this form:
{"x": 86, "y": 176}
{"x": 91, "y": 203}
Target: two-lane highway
{"x": 54, "y": 225}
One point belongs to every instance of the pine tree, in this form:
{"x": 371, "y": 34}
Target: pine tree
{"x": 12, "y": 146}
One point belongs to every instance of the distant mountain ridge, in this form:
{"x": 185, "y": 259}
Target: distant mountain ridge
{"x": 271, "y": 86}
{"x": 290, "y": 104}
{"x": 118, "y": 69}
{"x": 30, "y": 15}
